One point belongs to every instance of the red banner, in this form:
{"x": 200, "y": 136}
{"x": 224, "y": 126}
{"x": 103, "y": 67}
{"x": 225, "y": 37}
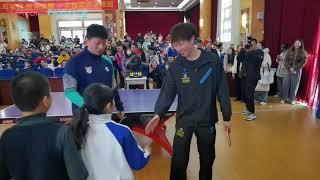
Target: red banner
{"x": 35, "y": 7}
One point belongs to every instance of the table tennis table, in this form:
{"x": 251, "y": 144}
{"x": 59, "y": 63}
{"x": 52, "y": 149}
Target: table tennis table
{"x": 134, "y": 101}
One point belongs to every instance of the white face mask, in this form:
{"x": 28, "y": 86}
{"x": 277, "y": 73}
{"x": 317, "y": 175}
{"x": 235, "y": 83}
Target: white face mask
{"x": 129, "y": 53}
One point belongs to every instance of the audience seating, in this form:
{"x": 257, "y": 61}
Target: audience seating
{"x": 7, "y": 74}
{"x": 46, "y": 72}
{"x": 59, "y": 72}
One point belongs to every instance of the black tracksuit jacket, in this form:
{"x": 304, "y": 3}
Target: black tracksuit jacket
{"x": 197, "y": 85}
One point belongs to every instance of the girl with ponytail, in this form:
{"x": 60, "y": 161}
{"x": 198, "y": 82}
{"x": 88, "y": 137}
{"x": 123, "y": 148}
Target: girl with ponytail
{"x": 107, "y": 148}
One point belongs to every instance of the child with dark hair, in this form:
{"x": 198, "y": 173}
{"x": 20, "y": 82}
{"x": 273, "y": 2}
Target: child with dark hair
{"x": 109, "y": 149}
{"x": 38, "y": 147}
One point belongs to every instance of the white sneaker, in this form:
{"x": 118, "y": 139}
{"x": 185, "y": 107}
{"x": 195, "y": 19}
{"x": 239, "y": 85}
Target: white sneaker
{"x": 293, "y": 103}
{"x": 246, "y": 112}
{"x": 276, "y": 95}
{"x": 251, "y": 117}
{"x": 282, "y": 101}
{"x": 263, "y": 103}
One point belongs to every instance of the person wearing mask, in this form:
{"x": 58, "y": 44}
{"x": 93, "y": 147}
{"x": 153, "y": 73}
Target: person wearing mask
{"x": 127, "y": 58}
{"x": 282, "y": 71}
{"x": 294, "y": 62}
{"x": 262, "y": 89}
{"x": 252, "y": 64}
{"x": 64, "y": 56}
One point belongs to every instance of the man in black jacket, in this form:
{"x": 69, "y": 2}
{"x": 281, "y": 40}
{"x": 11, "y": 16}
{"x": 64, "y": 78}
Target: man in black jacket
{"x": 197, "y": 77}
{"x": 252, "y": 64}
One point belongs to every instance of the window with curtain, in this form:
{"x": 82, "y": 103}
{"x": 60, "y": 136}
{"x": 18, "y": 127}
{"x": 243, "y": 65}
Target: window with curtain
{"x": 226, "y": 14}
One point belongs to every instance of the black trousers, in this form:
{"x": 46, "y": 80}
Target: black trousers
{"x": 243, "y": 89}
{"x": 206, "y": 137}
{"x": 249, "y": 93}
{"x": 239, "y": 88}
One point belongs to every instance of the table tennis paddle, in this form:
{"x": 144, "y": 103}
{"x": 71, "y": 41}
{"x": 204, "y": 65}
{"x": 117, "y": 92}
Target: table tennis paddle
{"x": 228, "y": 136}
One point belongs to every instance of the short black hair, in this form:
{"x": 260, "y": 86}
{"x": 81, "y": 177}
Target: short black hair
{"x": 183, "y": 31}
{"x": 28, "y": 89}
{"x": 98, "y": 31}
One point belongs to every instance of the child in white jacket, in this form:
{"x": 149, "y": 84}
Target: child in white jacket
{"x": 108, "y": 149}
{"x": 261, "y": 91}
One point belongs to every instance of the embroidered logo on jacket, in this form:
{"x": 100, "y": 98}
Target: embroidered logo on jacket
{"x": 88, "y": 69}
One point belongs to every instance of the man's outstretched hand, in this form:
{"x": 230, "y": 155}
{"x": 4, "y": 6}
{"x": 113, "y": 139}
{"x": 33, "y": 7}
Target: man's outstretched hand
{"x": 152, "y": 124}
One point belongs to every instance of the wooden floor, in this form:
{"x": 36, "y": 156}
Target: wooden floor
{"x": 282, "y": 144}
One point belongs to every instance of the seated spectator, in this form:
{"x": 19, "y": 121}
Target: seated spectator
{"x": 54, "y": 65}
{"x": 154, "y": 76}
{"x": 27, "y": 64}
{"x": 64, "y": 56}
{"x": 152, "y": 55}
{"x": 134, "y": 64}
{"x": 24, "y": 43}
{"x": 11, "y": 64}
{"x": 63, "y": 64}
{"x": 69, "y": 44}
{"x": 43, "y": 64}
{"x": 76, "y": 40}
{"x": 135, "y": 50}
{"x": 40, "y": 58}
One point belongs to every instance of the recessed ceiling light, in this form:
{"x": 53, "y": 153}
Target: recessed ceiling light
{"x": 139, "y": 3}
{"x": 139, "y": 6}
{"x": 156, "y": 3}
{"x": 170, "y": 6}
{"x": 155, "y": 6}
{"x": 172, "y": 3}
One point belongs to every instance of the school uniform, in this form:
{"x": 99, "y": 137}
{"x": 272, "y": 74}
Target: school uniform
{"x": 39, "y": 148}
{"x": 110, "y": 150}
{"x": 197, "y": 84}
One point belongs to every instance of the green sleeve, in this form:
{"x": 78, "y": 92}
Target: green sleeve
{"x": 74, "y": 97}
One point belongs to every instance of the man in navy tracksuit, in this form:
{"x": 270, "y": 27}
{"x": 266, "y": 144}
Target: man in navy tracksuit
{"x": 90, "y": 66}
{"x": 197, "y": 77}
